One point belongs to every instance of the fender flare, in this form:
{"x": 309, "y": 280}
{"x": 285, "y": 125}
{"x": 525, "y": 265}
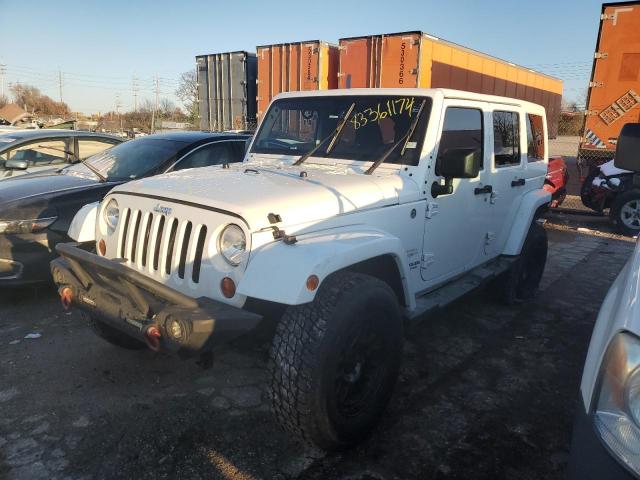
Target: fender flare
{"x": 278, "y": 272}
{"x": 531, "y": 203}
{"x": 83, "y": 226}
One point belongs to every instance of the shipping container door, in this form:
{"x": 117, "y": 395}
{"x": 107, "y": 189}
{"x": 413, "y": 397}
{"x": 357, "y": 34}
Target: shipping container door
{"x": 356, "y": 63}
{"x": 238, "y": 97}
{"x": 264, "y": 79}
{"x": 400, "y": 55}
{"x": 615, "y": 95}
{"x": 310, "y": 66}
{"x": 203, "y": 92}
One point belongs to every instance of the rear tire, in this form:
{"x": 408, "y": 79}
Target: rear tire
{"x": 334, "y": 362}
{"x": 625, "y": 212}
{"x": 520, "y": 283}
{"x": 113, "y": 335}
{"x": 585, "y": 191}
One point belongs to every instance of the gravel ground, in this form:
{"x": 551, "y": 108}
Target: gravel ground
{"x": 486, "y": 392}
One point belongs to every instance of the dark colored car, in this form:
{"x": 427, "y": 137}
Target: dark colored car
{"x": 30, "y": 151}
{"x": 37, "y": 209}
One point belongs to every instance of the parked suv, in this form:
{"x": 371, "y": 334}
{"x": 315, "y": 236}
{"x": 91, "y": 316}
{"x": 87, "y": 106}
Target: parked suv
{"x": 354, "y": 212}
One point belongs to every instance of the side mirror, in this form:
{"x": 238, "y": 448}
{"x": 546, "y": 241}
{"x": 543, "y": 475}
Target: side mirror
{"x": 628, "y": 148}
{"x": 459, "y": 163}
{"x": 16, "y": 164}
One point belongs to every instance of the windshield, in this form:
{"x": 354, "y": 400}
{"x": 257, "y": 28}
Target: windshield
{"x": 294, "y": 126}
{"x": 129, "y": 160}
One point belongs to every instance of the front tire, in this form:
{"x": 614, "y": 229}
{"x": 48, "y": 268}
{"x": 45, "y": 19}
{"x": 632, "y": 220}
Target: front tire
{"x": 586, "y": 191}
{"x": 625, "y": 212}
{"x": 334, "y": 362}
{"x": 113, "y": 335}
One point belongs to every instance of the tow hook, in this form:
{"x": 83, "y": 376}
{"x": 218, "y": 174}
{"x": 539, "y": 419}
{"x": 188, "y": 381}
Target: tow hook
{"x": 66, "y": 297}
{"x": 152, "y": 337}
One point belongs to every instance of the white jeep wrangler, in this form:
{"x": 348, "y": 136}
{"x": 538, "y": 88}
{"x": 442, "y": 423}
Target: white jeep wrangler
{"x": 353, "y": 212}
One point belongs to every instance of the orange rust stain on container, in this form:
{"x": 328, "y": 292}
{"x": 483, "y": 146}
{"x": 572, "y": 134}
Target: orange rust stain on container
{"x": 289, "y": 67}
{"x": 614, "y": 92}
{"x": 416, "y": 59}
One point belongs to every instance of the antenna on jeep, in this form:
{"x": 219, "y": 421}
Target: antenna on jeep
{"x": 334, "y": 136}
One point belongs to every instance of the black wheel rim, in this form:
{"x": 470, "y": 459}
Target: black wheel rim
{"x": 360, "y": 369}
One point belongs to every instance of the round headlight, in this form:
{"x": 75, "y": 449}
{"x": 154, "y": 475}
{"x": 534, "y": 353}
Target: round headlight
{"x": 232, "y": 244}
{"x": 111, "y": 214}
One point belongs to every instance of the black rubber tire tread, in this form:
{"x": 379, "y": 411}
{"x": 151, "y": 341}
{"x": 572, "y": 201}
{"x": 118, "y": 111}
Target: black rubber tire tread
{"x": 614, "y": 214}
{"x": 296, "y": 353}
{"x": 113, "y": 335}
{"x": 508, "y": 285}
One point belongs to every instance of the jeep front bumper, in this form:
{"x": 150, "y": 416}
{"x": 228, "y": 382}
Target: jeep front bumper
{"x": 144, "y": 308}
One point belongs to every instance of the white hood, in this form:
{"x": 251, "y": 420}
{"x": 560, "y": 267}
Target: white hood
{"x": 253, "y": 190}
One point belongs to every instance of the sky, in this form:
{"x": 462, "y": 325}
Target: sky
{"x": 99, "y": 47}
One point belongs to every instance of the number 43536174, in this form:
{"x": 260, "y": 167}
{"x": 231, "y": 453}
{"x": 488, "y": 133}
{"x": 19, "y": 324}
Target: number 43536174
{"x": 389, "y": 108}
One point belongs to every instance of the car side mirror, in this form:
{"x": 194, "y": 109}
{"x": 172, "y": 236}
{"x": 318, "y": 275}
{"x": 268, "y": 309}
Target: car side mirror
{"x": 628, "y": 148}
{"x": 456, "y": 163}
{"x": 16, "y": 164}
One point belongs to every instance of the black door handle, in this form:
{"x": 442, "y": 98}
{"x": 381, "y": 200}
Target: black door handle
{"x": 481, "y": 190}
{"x": 518, "y": 183}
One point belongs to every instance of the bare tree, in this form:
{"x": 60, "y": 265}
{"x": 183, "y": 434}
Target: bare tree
{"x": 31, "y": 99}
{"x": 187, "y": 92}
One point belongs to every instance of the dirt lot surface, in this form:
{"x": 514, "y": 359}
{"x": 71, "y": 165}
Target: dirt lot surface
{"x": 486, "y": 392}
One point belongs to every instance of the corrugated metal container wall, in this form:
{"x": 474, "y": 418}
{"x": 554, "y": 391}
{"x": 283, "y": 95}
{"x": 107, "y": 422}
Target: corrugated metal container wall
{"x": 289, "y": 67}
{"x": 227, "y": 91}
{"x": 415, "y": 59}
{"x": 614, "y": 91}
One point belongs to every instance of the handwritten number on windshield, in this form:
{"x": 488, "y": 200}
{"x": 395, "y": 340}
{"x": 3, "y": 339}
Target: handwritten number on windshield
{"x": 391, "y": 108}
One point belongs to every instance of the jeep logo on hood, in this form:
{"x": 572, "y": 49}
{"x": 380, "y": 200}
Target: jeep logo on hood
{"x": 162, "y": 209}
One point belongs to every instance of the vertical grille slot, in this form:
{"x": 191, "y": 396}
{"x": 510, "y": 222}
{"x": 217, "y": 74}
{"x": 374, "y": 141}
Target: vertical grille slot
{"x": 136, "y": 230}
{"x": 145, "y": 242}
{"x": 156, "y": 252}
{"x": 183, "y": 250}
{"x": 197, "y": 259}
{"x": 125, "y": 228}
{"x": 172, "y": 242}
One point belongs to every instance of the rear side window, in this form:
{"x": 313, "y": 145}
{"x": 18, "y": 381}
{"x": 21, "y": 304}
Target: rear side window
{"x": 535, "y": 138}
{"x": 506, "y": 138}
{"x": 462, "y": 130}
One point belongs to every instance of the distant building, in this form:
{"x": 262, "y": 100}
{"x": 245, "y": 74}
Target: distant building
{"x": 168, "y": 125}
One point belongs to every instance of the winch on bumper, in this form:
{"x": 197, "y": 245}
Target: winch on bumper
{"x": 143, "y": 308}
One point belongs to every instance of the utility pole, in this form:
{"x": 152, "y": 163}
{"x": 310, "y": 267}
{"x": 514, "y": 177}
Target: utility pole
{"x": 134, "y": 91}
{"x": 60, "y": 83}
{"x": 153, "y": 115}
{"x": 3, "y": 70}
{"x": 118, "y": 105}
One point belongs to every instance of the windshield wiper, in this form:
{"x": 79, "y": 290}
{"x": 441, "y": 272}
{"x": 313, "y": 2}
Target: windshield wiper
{"x": 333, "y": 136}
{"x": 405, "y": 137}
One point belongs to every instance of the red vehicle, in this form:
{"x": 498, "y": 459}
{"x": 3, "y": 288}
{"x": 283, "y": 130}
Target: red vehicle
{"x": 556, "y": 180}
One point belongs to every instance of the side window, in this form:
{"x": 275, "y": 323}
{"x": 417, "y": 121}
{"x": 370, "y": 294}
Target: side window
{"x": 43, "y": 153}
{"x": 535, "y": 138}
{"x": 238, "y": 149}
{"x": 91, "y": 146}
{"x": 462, "y": 129}
{"x": 214, "y": 154}
{"x": 506, "y": 138}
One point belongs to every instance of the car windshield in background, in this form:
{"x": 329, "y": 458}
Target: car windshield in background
{"x": 129, "y": 160}
{"x": 294, "y": 126}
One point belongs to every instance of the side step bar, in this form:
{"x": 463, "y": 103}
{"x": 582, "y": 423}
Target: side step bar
{"x": 456, "y": 288}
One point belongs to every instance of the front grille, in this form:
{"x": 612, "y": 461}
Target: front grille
{"x": 156, "y": 243}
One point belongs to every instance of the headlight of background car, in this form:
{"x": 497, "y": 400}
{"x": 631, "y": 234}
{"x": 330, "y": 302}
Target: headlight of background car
{"x": 111, "y": 214}
{"x": 25, "y": 226}
{"x": 617, "y": 415}
{"x": 232, "y": 244}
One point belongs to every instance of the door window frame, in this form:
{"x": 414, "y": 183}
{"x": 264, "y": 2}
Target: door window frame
{"x": 519, "y": 113}
{"x": 68, "y": 159}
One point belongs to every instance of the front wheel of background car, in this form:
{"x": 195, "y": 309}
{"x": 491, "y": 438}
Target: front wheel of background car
{"x": 334, "y": 361}
{"x": 520, "y": 283}
{"x": 586, "y": 191}
{"x": 113, "y": 335}
{"x": 625, "y": 212}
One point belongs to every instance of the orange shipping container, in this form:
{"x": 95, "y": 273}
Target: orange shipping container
{"x": 288, "y": 67}
{"x": 416, "y": 59}
{"x": 614, "y": 91}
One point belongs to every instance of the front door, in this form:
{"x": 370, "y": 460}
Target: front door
{"x": 453, "y": 237}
